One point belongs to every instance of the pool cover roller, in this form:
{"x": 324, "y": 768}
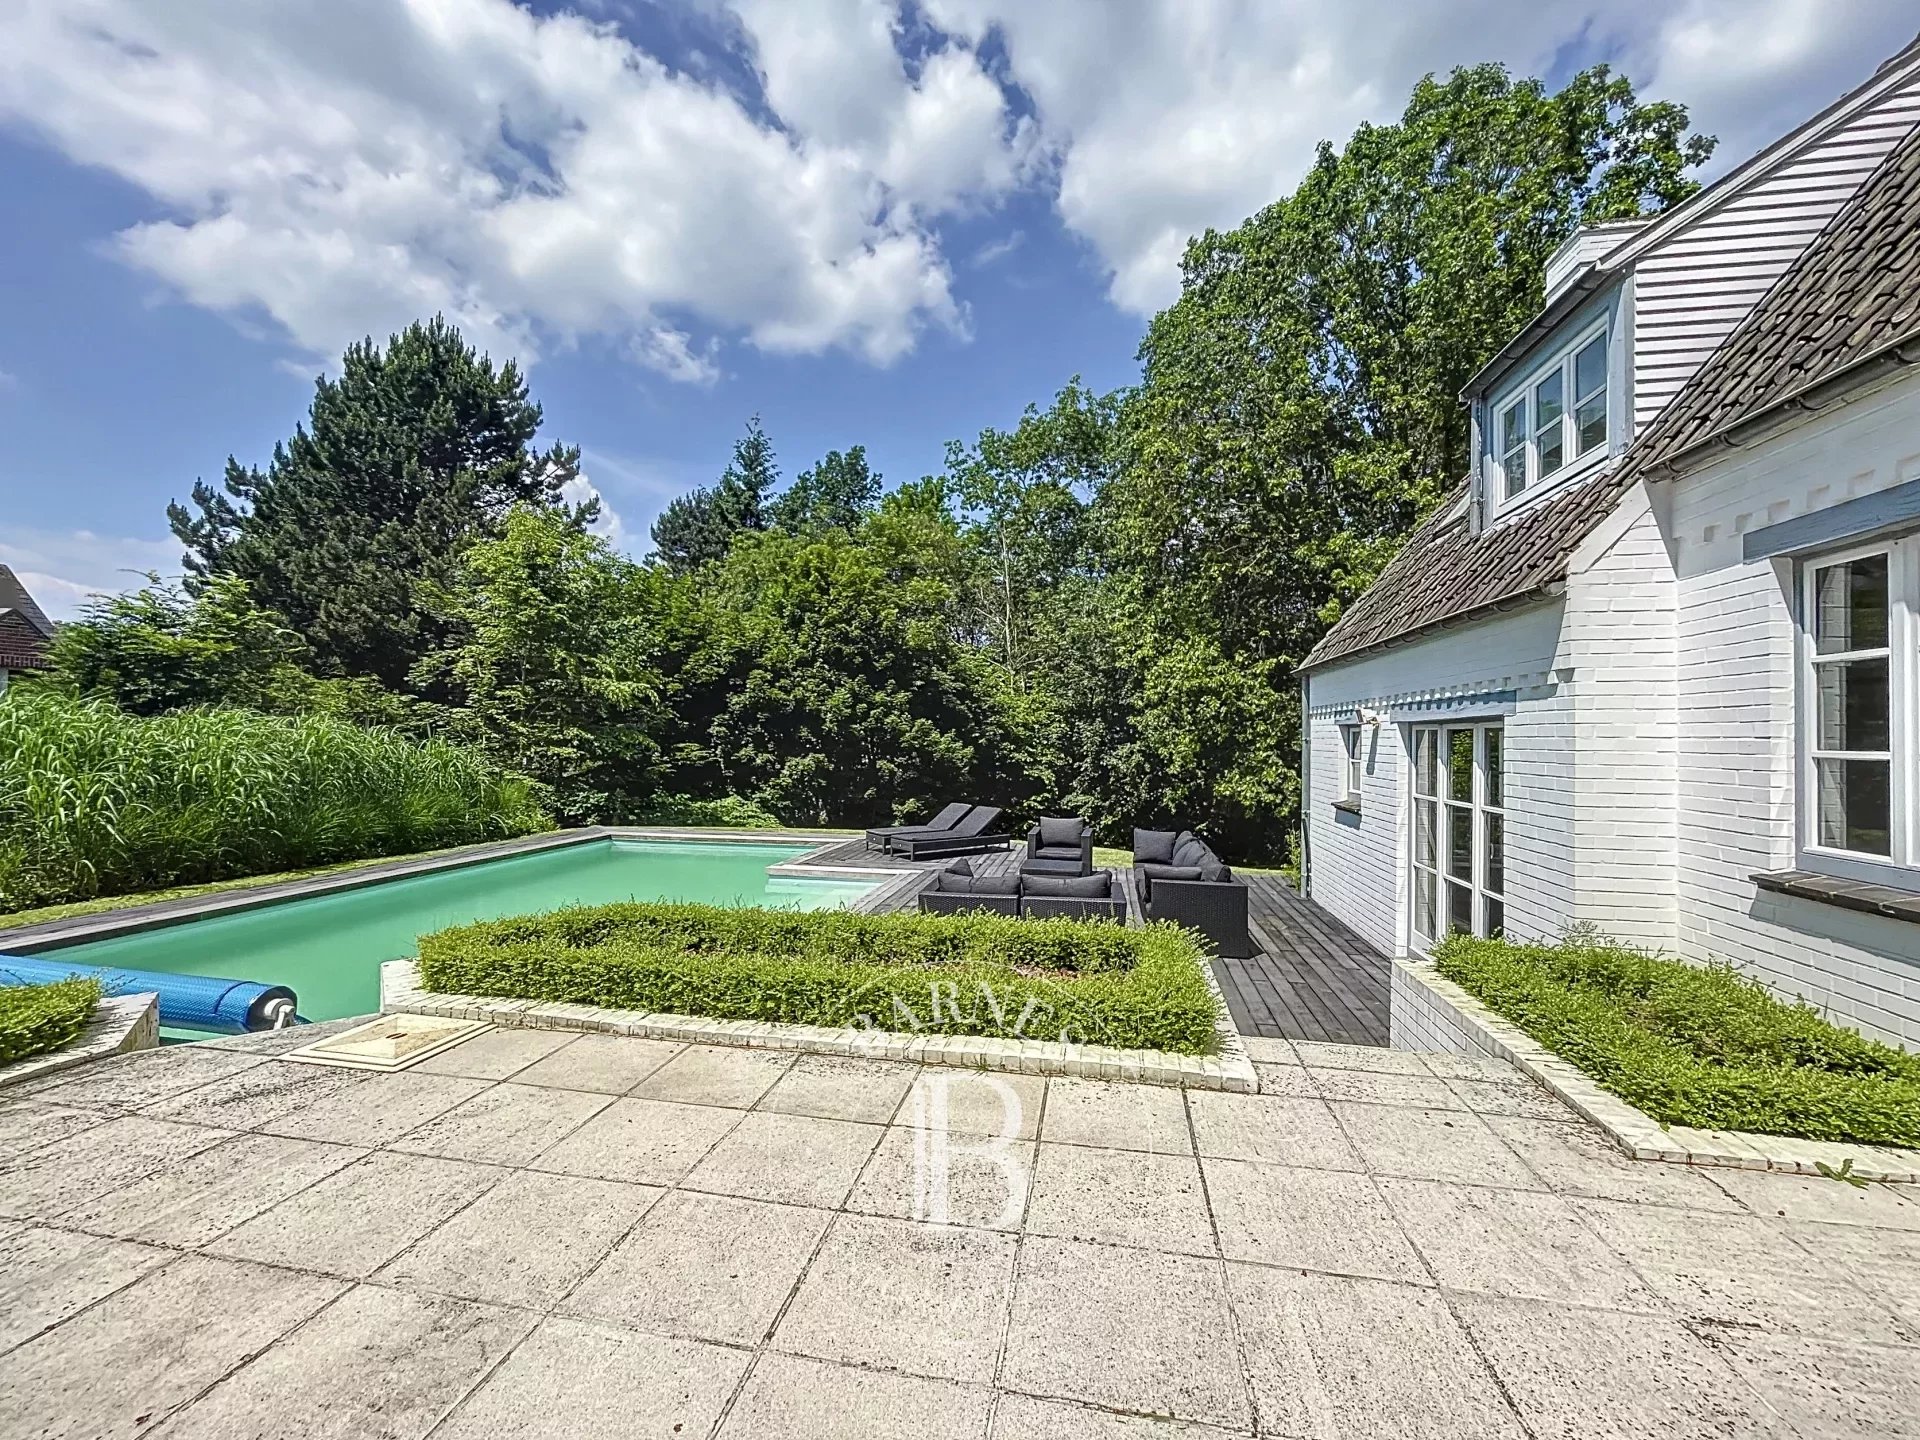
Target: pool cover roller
{"x": 187, "y": 1002}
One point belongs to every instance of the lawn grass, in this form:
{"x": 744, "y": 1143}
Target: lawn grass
{"x": 37, "y": 1018}
{"x": 1696, "y": 1045}
{"x": 988, "y": 975}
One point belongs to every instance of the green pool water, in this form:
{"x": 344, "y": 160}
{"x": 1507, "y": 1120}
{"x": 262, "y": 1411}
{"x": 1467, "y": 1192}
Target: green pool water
{"x": 329, "y": 948}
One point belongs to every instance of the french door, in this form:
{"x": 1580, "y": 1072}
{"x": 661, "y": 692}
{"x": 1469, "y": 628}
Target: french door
{"x": 1459, "y": 832}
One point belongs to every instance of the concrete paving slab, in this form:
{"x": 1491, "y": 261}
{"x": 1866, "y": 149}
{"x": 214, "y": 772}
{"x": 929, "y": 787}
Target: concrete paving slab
{"x": 114, "y": 1369}
{"x": 495, "y": 1054}
{"x": 1114, "y": 1116}
{"x": 1830, "y": 1389}
{"x": 946, "y": 1178}
{"x": 788, "y": 1398}
{"x": 374, "y": 1109}
{"x": 1514, "y": 1242}
{"x": 28, "y": 1124}
{"x": 1021, "y": 1417}
{"x": 47, "y": 1275}
{"x": 714, "y": 1267}
{"x": 830, "y": 1087}
{"x": 1814, "y": 1197}
{"x": 975, "y": 1103}
{"x": 1743, "y": 1270}
{"x": 1333, "y": 1355}
{"x": 1374, "y": 1058}
{"x": 575, "y": 1380}
{"x": 1578, "y": 1372}
{"x": 1579, "y": 1160}
{"x": 1425, "y": 1091}
{"x": 896, "y": 1295}
{"x": 277, "y": 1042}
{"x": 375, "y": 1362}
{"x": 253, "y": 1097}
{"x": 1431, "y": 1145}
{"x": 128, "y": 1082}
{"x": 1310, "y": 1219}
{"x": 528, "y": 1241}
{"x": 189, "y": 1203}
{"x": 505, "y": 1125}
{"x": 1469, "y": 1067}
{"x": 1283, "y": 1129}
{"x": 606, "y": 1064}
{"x": 354, "y": 1221}
{"x": 1125, "y": 1329}
{"x": 1265, "y": 1050}
{"x": 1286, "y": 1080}
{"x": 1884, "y": 1263}
{"x": 1518, "y": 1097}
{"x": 1120, "y": 1197}
{"x": 715, "y": 1075}
{"x": 53, "y": 1179}
{"x": 791, "y": 1159}
{"x": 644, "y": 1142}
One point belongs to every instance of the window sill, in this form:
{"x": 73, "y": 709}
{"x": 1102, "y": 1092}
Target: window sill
{"x": 1861, "y": 895}
{"x": 1347, "y": 807}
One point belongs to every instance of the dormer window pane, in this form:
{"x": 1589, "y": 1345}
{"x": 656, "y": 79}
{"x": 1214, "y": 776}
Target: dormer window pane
{"x": 1513, "y": 446}
{"x": 1590, "y": 395}
{"x": 1548, "y": 410}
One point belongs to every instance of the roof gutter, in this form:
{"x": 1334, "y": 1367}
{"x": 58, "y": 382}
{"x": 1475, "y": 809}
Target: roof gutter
{"x": 1814, "y": 399}
{"x": 1526, "y": 599}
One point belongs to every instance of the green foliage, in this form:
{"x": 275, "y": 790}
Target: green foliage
{"x": 697, "y": 528}
{"x": 549, "y": 658}
{"x": 417, "y": 448}
{"x": 1694, "y": 1045}
{"x": 836, "y": 494}
{"x": 35, "y": 1019}
{"x": 956, "y": 975}
{"x": 728, "y": 812}
{"x": 98, "y": 802}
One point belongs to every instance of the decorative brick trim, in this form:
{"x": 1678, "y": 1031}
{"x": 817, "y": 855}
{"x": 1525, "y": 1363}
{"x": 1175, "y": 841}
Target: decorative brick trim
{"x": 1231, "y": 1069}
{"x": 1430, "y": 1012}
{"x": 120, "y": 1023}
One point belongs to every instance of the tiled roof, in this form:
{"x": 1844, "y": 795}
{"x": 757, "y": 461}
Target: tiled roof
{"x": 1444, "y": 573}
{"x": 14, "y": 596}
{"x": 1852, "y": 298}
{"x": 22, "y": 645}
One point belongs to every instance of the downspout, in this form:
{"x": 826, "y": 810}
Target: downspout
{"x": 1306, "y": 779}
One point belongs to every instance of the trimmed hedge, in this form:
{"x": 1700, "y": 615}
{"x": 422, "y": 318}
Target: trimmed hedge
{"x": 1099, "y": 984}
{"x": 37, "y": 1018}
{"x": 1695, "y": 1044}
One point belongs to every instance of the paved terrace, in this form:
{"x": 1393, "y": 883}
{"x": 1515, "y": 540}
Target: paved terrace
{"x": 1314, "y": 979}
{"x": 545, "y": 1235}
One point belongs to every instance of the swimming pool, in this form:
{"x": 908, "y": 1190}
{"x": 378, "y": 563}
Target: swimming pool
{"x": 329, "y": 948}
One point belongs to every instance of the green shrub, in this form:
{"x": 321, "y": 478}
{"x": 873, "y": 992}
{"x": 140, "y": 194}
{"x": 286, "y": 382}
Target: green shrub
{"x": 1099, "y": 984}
{"x": 37, "y": 1018}
{"x": 1695, "y": 1044}
{"x": 729, "y": 812}
{"x": 97, "y": 802}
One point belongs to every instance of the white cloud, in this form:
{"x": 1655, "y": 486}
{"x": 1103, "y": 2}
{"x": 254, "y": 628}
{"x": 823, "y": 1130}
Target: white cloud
{"x": 608, "y": 526}
{"x": 341, "y": 169}
{"x": 62, "y": 569}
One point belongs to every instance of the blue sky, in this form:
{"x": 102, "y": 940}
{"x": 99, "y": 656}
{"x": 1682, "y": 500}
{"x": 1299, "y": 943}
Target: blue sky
{"x": 870, "y": 224}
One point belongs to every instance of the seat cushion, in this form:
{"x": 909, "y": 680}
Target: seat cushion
{"x": 1154, "y": 847}
{"x": 1055, "y": 852}
{"x": 1150, "y": 873}
{"x": 1215, "y": 870}
{"x": 1097, "y": 886}
{"x": 1056, "y": 831}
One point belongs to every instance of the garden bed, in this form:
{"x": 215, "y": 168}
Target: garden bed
{"x": 36, "y": 1019}
{"x": 1691, "y": 1045}
{"x": 974, "y": 975}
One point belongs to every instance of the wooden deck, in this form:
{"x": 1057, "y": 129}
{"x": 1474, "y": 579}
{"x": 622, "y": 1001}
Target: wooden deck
{"x": 1314, "y": 979}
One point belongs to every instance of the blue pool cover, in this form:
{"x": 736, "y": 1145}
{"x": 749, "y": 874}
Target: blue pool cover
{"x": 187, "y": 1002}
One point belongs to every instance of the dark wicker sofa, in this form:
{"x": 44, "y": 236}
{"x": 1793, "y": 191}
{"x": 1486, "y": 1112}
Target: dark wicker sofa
{"x": 1179, "y": 878}
{"x": 1073, "y": 897}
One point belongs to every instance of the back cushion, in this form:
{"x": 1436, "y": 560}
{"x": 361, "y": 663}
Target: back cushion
{"x": 960, "y": 867}
{"x": 996, "y": 884}
{"x": 1055, "y": 831}
{"x": 1080, "y": 887}
{"x": 1191, "y": 852}
{"x": 1154, "y": 847}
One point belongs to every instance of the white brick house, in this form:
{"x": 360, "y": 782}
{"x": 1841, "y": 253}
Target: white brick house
{"x": 1656, "y": 664}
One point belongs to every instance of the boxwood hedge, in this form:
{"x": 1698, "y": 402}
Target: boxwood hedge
{"x": 1695, "y": 1044}
{"x": 37, "y": 1018}
{"x": 1099, "y": 984}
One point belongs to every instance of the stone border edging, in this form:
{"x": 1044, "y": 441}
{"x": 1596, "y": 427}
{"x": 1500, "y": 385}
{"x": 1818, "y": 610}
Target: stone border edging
{"x": 1231, "y": 1069}
{"x": 119, "y": 1024}
{"x": 1627, "y": 1126}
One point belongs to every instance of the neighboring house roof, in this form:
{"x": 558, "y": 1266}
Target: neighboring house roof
{"x": 24, "y": 627}
{"x": 1847, "y": 309}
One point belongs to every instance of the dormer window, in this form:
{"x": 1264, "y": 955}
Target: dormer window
{"x": 1557, "y": 421}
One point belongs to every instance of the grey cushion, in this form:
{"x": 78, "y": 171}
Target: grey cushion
{"x": 1154, "y": 847}
{"x": 960, "y": 867}
{"x": 1085, "y": 887}
{"x": 1054, "y": 831}
{"x": 949, "y": 883}
{"x": 1215, "y": 870}
{"x": 1152, "y": 873}
{"x": 1056, "y": 852}
{"x": 1192, "y": 852}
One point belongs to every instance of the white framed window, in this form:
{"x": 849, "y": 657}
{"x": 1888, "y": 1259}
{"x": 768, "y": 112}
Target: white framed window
{"x": 1459, "y": 833}
{"x": 1860, "y": 712}
{"x": 1558, "y": 421}
{"x": 1350, "y": 764}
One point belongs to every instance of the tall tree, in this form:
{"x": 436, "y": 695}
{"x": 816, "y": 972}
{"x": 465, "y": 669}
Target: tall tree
{"x": 836, "y": 494}
{"x": 418, "y": 448}
{"x": 699, "y": 527}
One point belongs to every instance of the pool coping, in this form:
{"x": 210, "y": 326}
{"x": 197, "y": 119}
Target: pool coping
{"x": 1231, "y": 1069}
{"x": 161, "y": 914}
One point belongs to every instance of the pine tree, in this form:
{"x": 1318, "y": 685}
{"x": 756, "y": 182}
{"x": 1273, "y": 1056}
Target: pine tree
{"x": 699, "y": 527}
{"x": 417, "y": 449}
